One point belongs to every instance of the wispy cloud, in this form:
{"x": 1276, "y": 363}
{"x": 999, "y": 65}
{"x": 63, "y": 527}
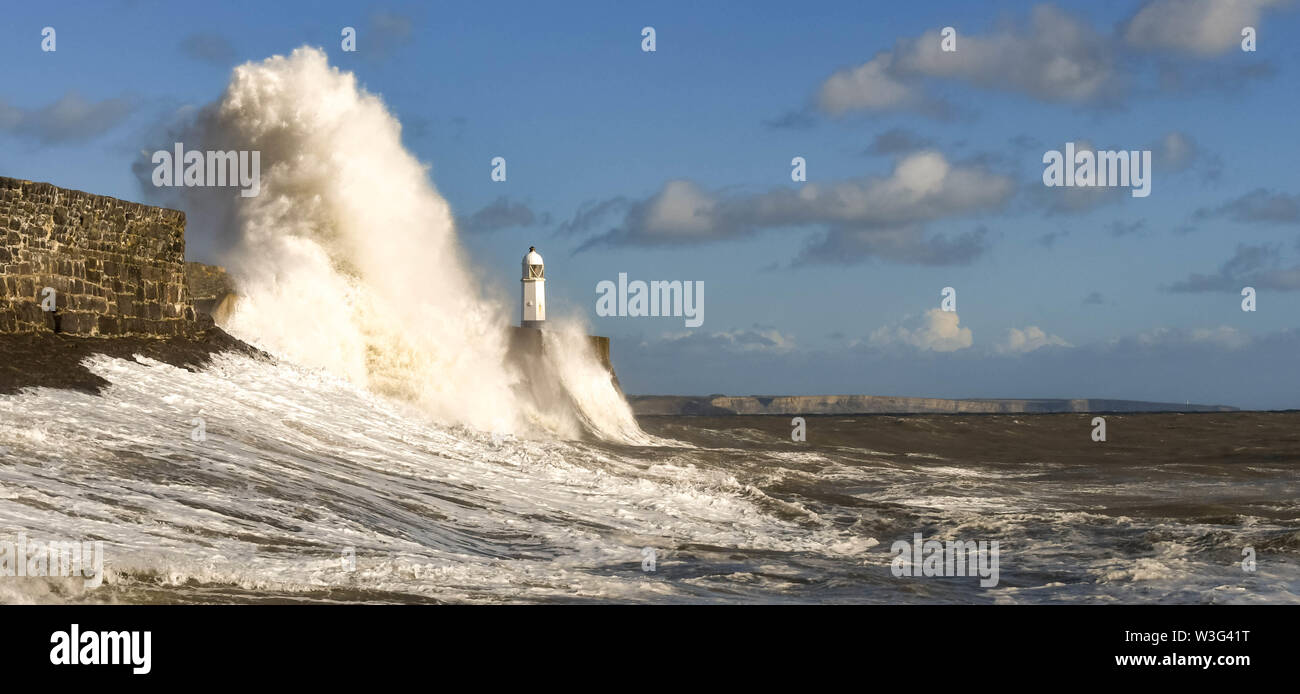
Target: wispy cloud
{"x": 388, "y": 31}
{"x": 1260, "y": 206}
{"x": 1197, "y": 27}
{"x": 592, "y": 214}
{"x": 501, "y": 214}
{"x": 69, "y": 119}
{"x": 1120, "y": 227}
{"x": 1253, "y": 266}
{"x": 800, "y": 119}
{"x": 1028, "y": 340}
{"x": 208, "y": 47}
{"x": 909, "y": 245}
{"x": 898, "y": 141}
{"x": 1223, "y": 337}
{"x": 759, "y": 338}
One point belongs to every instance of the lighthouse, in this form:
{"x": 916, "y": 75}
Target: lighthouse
{"x": 534, "y": 290}
{"x": 527, "y": 343}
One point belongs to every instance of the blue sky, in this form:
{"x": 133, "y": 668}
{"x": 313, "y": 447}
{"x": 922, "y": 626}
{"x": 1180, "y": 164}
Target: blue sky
{"x": 1064, "y": 292}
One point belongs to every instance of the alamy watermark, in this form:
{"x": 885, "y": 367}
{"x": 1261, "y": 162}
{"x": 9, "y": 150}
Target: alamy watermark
{"x": 1101, "y": 168}
{"x": 77, "y": 647}
{"x": 648, "y": 40}
{"x": 657, "y": 298}
{"x": 26, "y": 558}
{"x": 955, "y": 558}
{"x": 215, "y": 168}
{"x": 1099, "y": 429}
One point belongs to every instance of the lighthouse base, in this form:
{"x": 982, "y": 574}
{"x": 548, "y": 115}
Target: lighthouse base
{"x": 527, "y": 347}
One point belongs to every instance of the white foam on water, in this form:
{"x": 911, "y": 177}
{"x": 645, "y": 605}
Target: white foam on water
{"x": 296, "y": 465}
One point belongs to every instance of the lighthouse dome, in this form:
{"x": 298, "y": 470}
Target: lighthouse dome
{"x": 533, "y": 267}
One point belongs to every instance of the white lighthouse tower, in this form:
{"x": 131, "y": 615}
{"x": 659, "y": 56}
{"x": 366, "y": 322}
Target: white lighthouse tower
{"x": 534, "y": 281}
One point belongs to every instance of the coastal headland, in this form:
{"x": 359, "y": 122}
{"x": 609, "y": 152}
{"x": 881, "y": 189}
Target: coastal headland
{"x": 722, "y": 405}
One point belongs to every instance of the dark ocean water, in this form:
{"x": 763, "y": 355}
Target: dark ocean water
{"x": 1160, "y": 511}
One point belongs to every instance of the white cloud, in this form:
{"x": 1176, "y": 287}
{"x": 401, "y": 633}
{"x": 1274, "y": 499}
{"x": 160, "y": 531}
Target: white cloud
{"x": 1223, "y": 336}
{"x": 1027, "y": 340}
{"x": 923, "y": 186}
{"x": 681, "y": 209}
{"x": 1057, "y": 57}
{"x": 891, "y": 210}
{"x": 865, "y": 87}
{"x": 1199, "y": 27}
{"x": 936, "y": 331}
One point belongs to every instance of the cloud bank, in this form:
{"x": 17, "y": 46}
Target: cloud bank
{"x": 878, "y": 216}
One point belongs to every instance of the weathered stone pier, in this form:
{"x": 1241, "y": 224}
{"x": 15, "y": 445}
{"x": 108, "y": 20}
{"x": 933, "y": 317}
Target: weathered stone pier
{"x": 84, "y": 274}
{"x": 114, "y": 267}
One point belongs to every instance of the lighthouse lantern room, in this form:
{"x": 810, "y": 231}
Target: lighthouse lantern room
{"x": 534, "y": 289}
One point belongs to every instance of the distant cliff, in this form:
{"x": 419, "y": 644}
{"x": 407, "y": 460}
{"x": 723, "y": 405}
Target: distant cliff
{"x": 720, "y": 405}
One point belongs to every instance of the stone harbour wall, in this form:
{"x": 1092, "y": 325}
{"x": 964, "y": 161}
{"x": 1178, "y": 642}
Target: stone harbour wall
{"x": 117, "y": 267}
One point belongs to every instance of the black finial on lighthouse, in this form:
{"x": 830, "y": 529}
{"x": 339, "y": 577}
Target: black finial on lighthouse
{"x": 531, "y": 249}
